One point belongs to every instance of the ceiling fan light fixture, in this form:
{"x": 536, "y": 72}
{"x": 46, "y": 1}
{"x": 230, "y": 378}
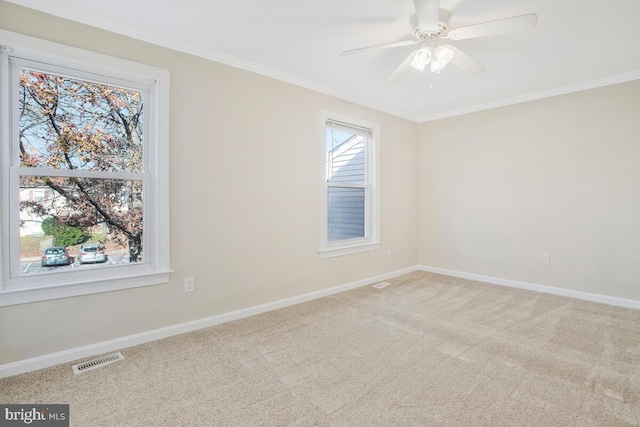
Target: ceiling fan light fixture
{"x": 421, "y": 59}
{"x": 430, "y": 24}
{"x": 443, "y": 56}
{"x": 436, "y": 66}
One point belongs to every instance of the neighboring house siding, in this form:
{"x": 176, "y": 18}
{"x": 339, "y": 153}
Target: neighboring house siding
{"x": 346, "y": 213}
{"x": 346, "y": 165}
{"x": 31, "y": 224}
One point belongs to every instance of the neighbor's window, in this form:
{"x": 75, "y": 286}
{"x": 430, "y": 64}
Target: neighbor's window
{"x": 82, "y": 148}
{"x": 350, "y": 211}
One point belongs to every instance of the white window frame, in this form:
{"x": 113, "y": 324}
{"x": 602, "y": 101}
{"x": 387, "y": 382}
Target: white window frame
{"x": 154, "y": 82}
{"x": 371, "y": 240}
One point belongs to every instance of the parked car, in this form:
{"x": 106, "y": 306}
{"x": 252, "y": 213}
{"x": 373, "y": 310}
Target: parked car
{"x": 56, "y": 255}
{"x": 91, "y": 252}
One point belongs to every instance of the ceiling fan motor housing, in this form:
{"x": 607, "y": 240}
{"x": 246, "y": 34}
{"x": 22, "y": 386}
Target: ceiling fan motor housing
{"x": 425, "y": 35}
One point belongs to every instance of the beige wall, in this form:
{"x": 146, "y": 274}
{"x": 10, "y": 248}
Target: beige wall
{"x": 560, "y": 176}
{"x": 244, "y": 190}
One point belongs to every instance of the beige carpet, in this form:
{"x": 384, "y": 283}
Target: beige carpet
{"x": 429, "y": 350}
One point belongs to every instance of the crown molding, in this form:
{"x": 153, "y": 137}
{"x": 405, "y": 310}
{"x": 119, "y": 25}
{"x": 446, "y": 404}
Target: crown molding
{"x": 563, "y": 90}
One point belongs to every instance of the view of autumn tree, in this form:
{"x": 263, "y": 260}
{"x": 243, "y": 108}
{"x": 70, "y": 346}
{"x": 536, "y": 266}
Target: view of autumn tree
{"x": 94, "y": 130}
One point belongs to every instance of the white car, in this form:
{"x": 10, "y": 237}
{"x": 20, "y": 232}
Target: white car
{"x": 91, "y": 252}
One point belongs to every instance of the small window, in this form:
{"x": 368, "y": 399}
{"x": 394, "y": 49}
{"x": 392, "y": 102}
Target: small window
{"x": 84, "y": 164}
{"x": 38, "y": 195}
{"x": 350, "y": 196}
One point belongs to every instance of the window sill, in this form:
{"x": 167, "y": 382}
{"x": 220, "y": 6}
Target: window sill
{"x": 348, "y": 250}
{"x": 26, "y": 295}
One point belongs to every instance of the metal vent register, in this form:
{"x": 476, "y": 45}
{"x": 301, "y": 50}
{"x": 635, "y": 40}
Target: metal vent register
{"x": 96, "y": 363}
{"x": 381, "y": 285}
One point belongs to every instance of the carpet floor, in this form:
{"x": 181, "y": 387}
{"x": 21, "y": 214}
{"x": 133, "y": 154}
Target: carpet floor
{"x": 428, "y": 350}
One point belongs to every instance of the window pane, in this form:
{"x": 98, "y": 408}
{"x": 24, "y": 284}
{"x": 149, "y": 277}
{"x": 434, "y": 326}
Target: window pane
{"x": 104, "y": 215}
{"x": 67, "y": 123}
{"x": 346, "y": 213}
{"x": 345, "y": 157}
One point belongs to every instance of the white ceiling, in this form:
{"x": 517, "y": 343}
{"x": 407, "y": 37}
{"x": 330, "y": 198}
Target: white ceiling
{"x": 578, "y": 44}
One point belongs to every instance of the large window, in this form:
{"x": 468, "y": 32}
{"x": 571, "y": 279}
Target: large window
{"x": 350, "y": 196}
{"x": 84, "y": 172}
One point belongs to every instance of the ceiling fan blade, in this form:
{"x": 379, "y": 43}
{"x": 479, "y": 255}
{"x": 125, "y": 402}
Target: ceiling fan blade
{"x": 428, "y": 13}
{"x": 490, "y": 28}
{"x": 464, "y": 62}
{"x": 379, "y": 46}
{"x": 401, "y": 68}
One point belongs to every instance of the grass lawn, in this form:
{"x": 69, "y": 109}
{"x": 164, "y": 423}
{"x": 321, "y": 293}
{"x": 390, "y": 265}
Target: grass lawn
{"x": 30, "y": 246}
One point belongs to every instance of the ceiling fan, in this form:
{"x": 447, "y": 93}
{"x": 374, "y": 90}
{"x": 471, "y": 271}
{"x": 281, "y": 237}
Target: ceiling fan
{"x": 430, "y": 25}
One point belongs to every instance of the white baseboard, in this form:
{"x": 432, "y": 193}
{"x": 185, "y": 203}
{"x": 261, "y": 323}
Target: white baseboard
{"x": 604, "y": 299}
{"x": 73, "y": 354}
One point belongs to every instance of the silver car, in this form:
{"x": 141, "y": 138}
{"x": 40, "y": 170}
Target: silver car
{"x": 91, "y": 252}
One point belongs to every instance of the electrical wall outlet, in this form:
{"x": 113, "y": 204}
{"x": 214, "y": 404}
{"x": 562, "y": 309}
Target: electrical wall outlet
{"x": 546, "y": 259}
{"x": 390, "y": 250}
{"x": 189, "y": 284}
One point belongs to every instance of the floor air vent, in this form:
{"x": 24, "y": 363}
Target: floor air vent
{"x": 381, "y": 285}
{"x": 96, "y": 363}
